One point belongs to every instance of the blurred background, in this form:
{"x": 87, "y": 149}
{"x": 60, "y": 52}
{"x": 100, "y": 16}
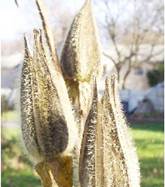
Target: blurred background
{"x": 131, "y": 34}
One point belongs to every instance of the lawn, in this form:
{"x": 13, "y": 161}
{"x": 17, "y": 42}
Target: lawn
{"x": 149, "y": 143}
{"x": 10, "y": 115}
{"x": 17, "y": 170}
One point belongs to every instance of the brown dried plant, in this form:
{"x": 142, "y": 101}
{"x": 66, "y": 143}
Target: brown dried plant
{"x": 74, "y": 138}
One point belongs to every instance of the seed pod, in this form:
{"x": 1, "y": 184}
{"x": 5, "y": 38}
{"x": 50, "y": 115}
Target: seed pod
{"x": 87, "y": 153}
{"x": 48, "y": 124}
{"x": 126, "y": 165}
{"x": 114, "y": 164}
{"x": 54, "y": 129}
{"x": 80, "y": 60}
{"x": 107, "y": 154}
{"x": 81, "y": 53}
{"x": 27, "y": 110}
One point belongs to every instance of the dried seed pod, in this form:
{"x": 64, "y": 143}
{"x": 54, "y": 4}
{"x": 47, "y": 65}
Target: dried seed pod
{"x": 114, "y": 164}
{"x": 54, "y": 68}
{"x": 87, "y": 153}
{"x": 81, "y": 53}
{"x": 129, "y": 166}
{"x": 54, "y": 127}
{"x": 80, "y": 60}
{"x": 27, "y": 109}
{"x": 48, "y": 124}
{"x": 107, "y": 154}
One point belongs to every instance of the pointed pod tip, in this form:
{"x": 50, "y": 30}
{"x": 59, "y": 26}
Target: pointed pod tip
{"x": 36, "y": 34}
{"x": 114, "y": 82}
{"x": 16, "y": 2}
{"x": 95, "y": 88}
{"x": 25, "y": 40}
{"x": 111, "y": 84}
{"x": 36, "y": 31}
{"x": 87, "y": 3}
{"x": 111, "y": 80}
{"x": 40, "y": 30}
{"x": 114, "y": 77}
{"x": 107, "y": 83}
{"x": 27, "y": 52}
{"x": 106, "y": 91}
{"x": 106, "y": 80}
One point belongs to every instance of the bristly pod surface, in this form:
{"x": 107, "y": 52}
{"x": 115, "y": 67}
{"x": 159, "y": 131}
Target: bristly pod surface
{"x": 80, "y": 60}
{"x": 104, "y": 155}
{"x": 88, "y": 146}
{"x": 108, "y": 157}
{"x": 81, "y": 53}
{"x": 130, "y": 164}
{"x": 48, "y": 125}
{"x": 80, "y": 63}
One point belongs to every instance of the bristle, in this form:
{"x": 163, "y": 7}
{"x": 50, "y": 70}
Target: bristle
{"x": 130, "y": 161}
{"x": 47, "y": 30}
{"x": 54, "y": 131}
{"x": 80, "y": 60}
{"x": 104, "y": 155}
{"x": 27, "y": 110}
{"x": 115, "y": 170}
{"x": 27, "y": 51}
{"x": 87, "y": 154}
{"x": 56, "y": 76}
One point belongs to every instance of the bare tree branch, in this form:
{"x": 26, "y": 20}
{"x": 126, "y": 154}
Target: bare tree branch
{"x": 142, "y": 28}
{"x": 110, "y": 57}
{"x": 16, "y": 2}
{"x": 126, "y": 74}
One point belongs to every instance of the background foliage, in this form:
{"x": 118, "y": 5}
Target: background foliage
{"x": 156, "y": 75}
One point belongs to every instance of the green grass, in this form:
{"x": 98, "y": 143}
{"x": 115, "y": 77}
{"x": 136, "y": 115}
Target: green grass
{"x": 18, "y": 171}
{"x": 10, "y": 116}
{"x": 149, "y": 143}
{"x": 19, "y": 178}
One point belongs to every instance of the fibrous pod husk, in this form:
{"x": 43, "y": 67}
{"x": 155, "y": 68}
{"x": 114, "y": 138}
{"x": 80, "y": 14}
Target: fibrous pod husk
{"x": 27, "y": 110}
{"x": 80, "y": 60}
{"x": 114, "y": 164}
{"x": 108, "y": 157}
{"x": 48, "y": 124}
{"x": 121, "y": 151}
{"x": 88, "y": 145}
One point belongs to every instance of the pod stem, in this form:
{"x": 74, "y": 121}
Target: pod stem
{"x": 56, "y": 173}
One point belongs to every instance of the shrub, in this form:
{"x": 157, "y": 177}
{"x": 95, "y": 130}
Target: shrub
{"x": 157, "y": 75}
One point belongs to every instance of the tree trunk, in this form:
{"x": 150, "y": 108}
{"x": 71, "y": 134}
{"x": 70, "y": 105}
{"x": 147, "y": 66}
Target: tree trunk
{"x": 123, "y": 86}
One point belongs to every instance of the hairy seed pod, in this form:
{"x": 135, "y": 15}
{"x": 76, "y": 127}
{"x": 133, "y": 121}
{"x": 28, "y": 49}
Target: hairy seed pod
{"x": 124, "y": 151}
{"x": 114, "y": 164}
{"x": 80, "y": 60}
{"x": 27, "y": 109}
{"x": 87, "y": 153}
{"x": 108, "y": 157}
{"x": 54, "y": 130}
{"x": 104, "y": 155}
{"x": 52, "y": 62}
{"x": 81, "y": 53}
